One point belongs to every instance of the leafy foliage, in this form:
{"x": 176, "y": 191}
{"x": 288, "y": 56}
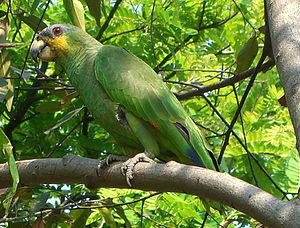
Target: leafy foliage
{"x": 197, "y": 42}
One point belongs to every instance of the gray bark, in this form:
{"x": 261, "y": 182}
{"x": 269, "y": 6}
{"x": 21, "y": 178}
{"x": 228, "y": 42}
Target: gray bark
{"x": 170, "y": 177}
{"x": 284, "y": 18}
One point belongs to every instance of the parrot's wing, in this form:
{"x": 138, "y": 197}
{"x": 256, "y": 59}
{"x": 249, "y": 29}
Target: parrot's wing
{"x": 134, "y": 85}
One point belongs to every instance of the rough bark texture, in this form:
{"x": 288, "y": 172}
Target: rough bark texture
{"x": 170, "y": 177}
{"x": 284, "y": 17}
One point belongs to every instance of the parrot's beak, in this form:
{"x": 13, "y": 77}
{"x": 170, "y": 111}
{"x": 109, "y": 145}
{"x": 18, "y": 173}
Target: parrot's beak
{"x": 40, "y": 50}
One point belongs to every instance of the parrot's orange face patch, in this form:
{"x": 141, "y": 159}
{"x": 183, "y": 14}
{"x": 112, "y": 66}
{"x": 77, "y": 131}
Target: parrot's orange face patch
{"x": 59, "y": 45}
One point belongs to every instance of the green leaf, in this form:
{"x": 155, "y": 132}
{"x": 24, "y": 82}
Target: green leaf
{"x": 246, "y": 55}
{"x": 293, "y": 171}
{"x": 6, "y": 148}
{"x": 80, "y": 217}
{"x": 2, "y": 13}
{"x": 94, "y": 8}
{"x": 6, "y": 85}
{"x": 108, "y": 217}
{"x": 191, "y": 31}
{"x": 34, "y": 6}
{"x": 33, "y": 22}
{"x": 94, "y": 216}
{"x": 64, "y": 119}
{"x": 75, "y": 11}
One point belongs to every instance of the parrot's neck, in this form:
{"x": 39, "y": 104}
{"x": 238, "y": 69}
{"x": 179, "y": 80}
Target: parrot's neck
{"x": 81, "y": 48}
{"x": 78, "y": 59}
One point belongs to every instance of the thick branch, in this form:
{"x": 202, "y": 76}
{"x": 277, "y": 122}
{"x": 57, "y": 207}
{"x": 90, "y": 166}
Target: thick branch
{"x": 170, "y": 177}
{"x": 284, "y": 27}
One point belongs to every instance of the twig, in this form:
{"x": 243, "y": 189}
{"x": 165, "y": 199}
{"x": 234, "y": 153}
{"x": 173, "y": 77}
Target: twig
{"x": 15, "y": 21}
{"x": 63, "y": 139}
{"x": 238, "y": 138}
{"x": 245, "y": 138}
{"x": 151, "y": 31}
{"x": 108, "y": 19}
{"x": 6, "y": 45}
{"x": 189, "y": 37}
{"x": 243, "y": 15}
{"x": 225, "y": 82}
{"x": 122, "y": 33}
{"x": 244, "y": 146}
{"x": 204, "y": 220}
{"x": 247, "y": 90}
{"x": 57, "y": 88}
{"x": 40, "y": 73}
{"x": 16, "y": 96}
{"x": 68, "y": 207}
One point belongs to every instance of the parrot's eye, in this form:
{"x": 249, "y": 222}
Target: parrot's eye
{"x": 57, "y": 31}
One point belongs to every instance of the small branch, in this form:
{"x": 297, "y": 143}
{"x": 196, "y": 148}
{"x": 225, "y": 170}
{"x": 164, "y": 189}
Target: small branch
{"x": 188, "y": 38}
{"x": 122, "y": 33}
{"x": 57, "y": 88}
{"x": 225, "y": 82}
{"x": 151, "y": 32}
{"x": 170, "y": 177}
{"x": 7, "y": 45}
{"x": 247, "y": 90}
{"x": 16, "y": 96}
{"x": 75, "y": 206}
{"x": 108, "y": 19}
{"x": 59, "y": 144}
{"x": 243, "y": 15}
{"x": 42, "y": 74}
{"x": 245, "y": 137}
{"x": 245, "y": 148}
{"x": 22, "y": 107}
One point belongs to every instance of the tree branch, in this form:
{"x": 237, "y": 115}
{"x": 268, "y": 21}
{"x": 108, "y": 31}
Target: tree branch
{"x": 110, "y": 16}
{"x": 122, "y": 33}
{"x": 285, "y": 35}
{"x": 170, "y": 177}
{"x": 189, "y": 37}
{"x": 225, "y": 82}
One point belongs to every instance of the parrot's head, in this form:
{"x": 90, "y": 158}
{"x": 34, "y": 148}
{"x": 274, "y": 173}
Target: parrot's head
{"x": 56, "y": 42}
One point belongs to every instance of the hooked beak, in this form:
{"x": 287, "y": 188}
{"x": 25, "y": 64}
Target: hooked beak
{"x": 40, "y": 50}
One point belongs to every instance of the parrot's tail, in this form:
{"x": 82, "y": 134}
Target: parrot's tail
{"x": 189, "y": 144}
{"x": 197, "y": 149}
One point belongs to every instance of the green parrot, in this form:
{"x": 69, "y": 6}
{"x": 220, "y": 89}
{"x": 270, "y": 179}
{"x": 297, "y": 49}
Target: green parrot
{"x": 126, "y": 97}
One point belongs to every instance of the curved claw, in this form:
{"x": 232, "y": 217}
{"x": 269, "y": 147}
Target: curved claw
{"x": 108, "y": 161}
{"x": 128, "y": 166}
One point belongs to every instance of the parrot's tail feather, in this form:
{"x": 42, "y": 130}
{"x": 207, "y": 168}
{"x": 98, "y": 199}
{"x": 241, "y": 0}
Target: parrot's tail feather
{"x": 184, "y": 132}
{"x": 191, "y": 152}
{"x": 195, "y": 146}
{"x": 195, "y": 157}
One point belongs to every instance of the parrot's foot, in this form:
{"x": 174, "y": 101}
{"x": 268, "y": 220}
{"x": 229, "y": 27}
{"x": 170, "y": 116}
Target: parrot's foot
{"x": 109, "y": 160}
{"x": 127, "y": 168}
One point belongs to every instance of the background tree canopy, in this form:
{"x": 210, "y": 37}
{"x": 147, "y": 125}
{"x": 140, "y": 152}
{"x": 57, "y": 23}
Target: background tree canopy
{"x": 191, "y": 44}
